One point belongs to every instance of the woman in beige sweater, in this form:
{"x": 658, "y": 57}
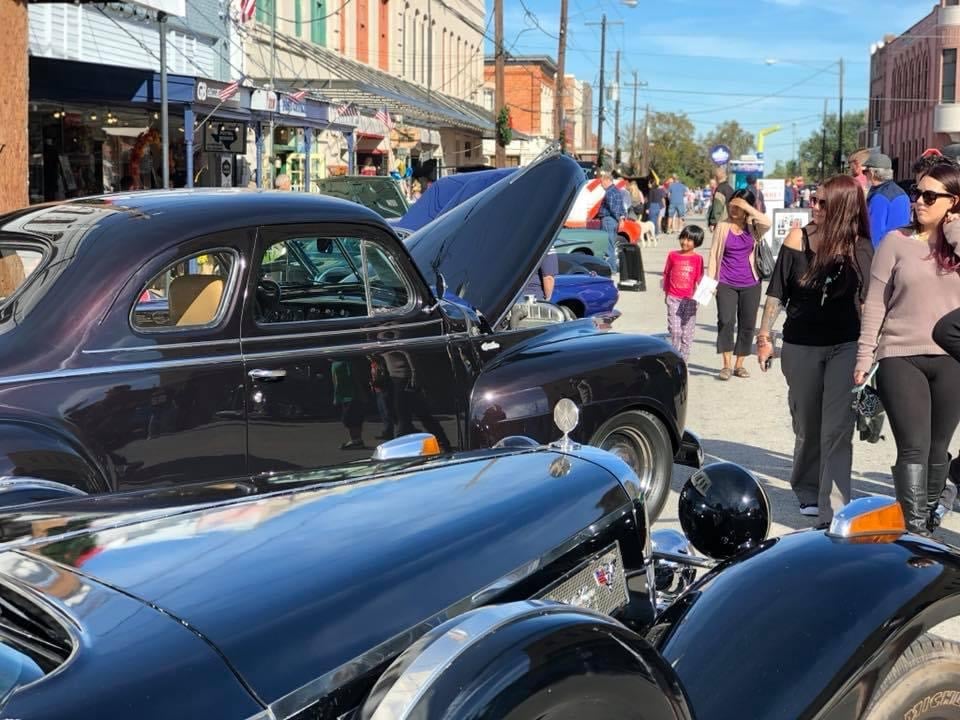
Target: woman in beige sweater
{"x": 915, "y": 282}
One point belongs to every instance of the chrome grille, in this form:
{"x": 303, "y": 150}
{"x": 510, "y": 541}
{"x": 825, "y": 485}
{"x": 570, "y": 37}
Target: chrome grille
{"x": 598, "y": 583}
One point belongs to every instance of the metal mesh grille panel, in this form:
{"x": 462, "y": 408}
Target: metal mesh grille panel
{"x": 598, "y": 584}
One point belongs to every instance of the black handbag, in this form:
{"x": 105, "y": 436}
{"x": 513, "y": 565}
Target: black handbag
{"x": 765, "y": 260}
{"x": 869, "y": 411}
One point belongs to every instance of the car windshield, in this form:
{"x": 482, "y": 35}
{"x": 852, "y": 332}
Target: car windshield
{"x": 17, "y": 263}
{"x": 382, "y": 195}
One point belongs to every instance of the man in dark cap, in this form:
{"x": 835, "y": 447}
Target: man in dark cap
{"x": 887, "y": 203}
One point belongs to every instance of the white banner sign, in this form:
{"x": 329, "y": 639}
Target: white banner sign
{"x": 773, "y": 191}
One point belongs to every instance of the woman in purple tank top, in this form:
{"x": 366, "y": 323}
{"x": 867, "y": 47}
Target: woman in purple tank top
{"x": 733, "y": 265}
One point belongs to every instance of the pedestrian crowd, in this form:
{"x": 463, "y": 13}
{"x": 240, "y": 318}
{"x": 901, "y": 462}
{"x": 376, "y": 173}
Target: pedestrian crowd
{"x": 870, "y": 289}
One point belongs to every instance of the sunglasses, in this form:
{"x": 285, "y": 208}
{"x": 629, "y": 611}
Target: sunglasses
{"x": 817, "y": 203}
{"x": 929, "y": 197}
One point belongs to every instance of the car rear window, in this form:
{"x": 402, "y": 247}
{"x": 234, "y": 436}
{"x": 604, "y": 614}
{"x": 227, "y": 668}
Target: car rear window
{"x": 17, "y": 264}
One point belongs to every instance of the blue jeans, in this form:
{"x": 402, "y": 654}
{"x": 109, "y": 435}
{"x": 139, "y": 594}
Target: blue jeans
{"x": 654, "y": 214}
{"x": 610, "y": 225}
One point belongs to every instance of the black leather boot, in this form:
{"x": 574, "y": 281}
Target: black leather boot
{"x": 910, "y": 482}
{"x": 939, "y": 497}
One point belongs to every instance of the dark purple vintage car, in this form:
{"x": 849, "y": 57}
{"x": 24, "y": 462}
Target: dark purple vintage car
{"x": 157, "y": 338}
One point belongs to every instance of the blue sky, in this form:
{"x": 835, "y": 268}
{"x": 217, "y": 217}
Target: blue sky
{"x": 694, "y": 53}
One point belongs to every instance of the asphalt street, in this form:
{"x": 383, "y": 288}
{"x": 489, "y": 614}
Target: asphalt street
{"x": 747, "y": 421}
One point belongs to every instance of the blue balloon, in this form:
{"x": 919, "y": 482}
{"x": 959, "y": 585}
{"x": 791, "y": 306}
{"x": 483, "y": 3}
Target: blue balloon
{"x": 409, "y": 172}
{"x": 394, "y": 174}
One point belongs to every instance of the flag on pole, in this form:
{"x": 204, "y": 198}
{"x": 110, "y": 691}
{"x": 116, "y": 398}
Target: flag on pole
{"x": 383, "y": 115}
{"x": 248, "y": 8}
{"x": 348, "y": 109}
{"x": 229, "y": 90}
{"x": 298, "y": 96}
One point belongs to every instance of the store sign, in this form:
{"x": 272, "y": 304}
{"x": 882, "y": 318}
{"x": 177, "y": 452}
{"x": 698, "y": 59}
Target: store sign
{"x": 224, "y": 137}
{"x": 289, "y": 106}
{"x": 263, "y": 100}
{"x": 207, "y": 92}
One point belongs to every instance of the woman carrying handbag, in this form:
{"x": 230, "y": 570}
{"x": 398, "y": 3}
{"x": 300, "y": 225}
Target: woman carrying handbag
{"x": 733, "y": 264}
{"x": 914, "y": 283}
{"x": 820, "y": 280}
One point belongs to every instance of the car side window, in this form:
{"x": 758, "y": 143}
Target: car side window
{"x": 327, "y": 278}
{"x": 189, "y": 293}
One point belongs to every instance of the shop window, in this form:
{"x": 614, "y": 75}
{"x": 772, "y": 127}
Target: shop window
{"x": 16, "y": 265}
{"x": 189, "y": 293}
{"x": 948, "y": 90}
{"x": 322, "y": 278}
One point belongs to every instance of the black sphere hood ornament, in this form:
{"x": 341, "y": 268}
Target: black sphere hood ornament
{"x": 724, "y": 510}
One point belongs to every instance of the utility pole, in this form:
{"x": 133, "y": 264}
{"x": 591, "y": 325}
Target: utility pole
{"x": 633, "y": 125}
{"x": 603, "y": 53}
{"x": 273, "y": 84}
{"x": 823, "y": 143}
{"x": 558, "y": 100}
{"x": 616, "y": 116}
{"x": 164, "y": 103}
{"x": 840, "y": 124}
{"x": 645, "y": 149}
{"x": 793, "y": 147}
{"x": 430, "y": 49}
{"x": 499, "y": 90}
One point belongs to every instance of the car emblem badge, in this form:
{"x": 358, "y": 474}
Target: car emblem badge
{"x": 604, "y": 576}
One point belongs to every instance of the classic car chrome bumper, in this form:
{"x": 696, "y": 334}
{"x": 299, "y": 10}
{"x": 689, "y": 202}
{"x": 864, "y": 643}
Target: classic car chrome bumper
{"x": 690, "y": 452}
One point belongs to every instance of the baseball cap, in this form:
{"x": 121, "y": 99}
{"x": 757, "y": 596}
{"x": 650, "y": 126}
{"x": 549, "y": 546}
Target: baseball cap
{"x": 879, "y": 161}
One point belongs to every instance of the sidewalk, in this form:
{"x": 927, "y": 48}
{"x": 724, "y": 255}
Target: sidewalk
{"x": 746, "y": 420}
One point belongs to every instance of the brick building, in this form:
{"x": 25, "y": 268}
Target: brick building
{"x": 913, "y": 88}
{"x": 529, "y": 82}
{"x": 578, "y": 112}
{"x": 13, "y": 105}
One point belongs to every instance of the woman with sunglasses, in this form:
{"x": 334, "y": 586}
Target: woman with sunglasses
{"x": 820, "y": 280}
{"x": 733, "y": 263}
{"x": 914, "y": 283}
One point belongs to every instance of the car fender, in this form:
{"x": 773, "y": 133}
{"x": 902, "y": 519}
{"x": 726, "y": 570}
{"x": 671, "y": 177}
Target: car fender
{"x": 595, "y": 294}
{"x": 605, "y": 373}
{"x": 805, "y": 626}
{"x": 527, "y": 660}
{"x": 35, "y": 450}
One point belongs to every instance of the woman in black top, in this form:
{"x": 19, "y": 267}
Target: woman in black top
{"x": 820, "y": 278}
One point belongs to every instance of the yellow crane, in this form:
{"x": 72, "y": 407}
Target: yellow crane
{"x": 762, "y": 136}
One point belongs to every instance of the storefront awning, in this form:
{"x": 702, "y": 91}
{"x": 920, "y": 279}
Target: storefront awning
{"x": 351, "y": 82}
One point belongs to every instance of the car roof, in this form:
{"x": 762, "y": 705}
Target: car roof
{"x": 170, "y": 215}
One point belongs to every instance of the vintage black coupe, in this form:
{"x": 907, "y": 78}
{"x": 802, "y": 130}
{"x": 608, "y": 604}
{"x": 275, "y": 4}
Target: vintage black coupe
{"x": 151, "y": 337}
{"x": 516, "y": 583}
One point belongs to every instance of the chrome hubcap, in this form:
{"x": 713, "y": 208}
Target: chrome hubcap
{"x": 635, "y": 450}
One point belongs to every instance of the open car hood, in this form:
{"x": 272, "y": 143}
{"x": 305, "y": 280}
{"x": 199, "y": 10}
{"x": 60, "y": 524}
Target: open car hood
{"x": 489, "y": 246}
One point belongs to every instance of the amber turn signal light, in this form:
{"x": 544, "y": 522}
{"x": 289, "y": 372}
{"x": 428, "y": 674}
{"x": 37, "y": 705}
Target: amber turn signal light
{"x": 431, "y": 446}
{"x": 870, "y": 519}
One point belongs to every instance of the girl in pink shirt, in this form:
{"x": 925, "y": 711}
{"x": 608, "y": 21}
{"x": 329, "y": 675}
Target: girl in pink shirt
{"x": 681, "y": 274}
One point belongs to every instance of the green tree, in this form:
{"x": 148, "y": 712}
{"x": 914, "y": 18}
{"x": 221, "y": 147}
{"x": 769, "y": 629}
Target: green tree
{"x": 731, "y": 134}
{"x": 675, "y": 151}
{"x": 811, "y": 148}
{"x": 784, "y": 170}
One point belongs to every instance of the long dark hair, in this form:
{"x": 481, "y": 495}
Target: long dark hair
{"x": 845, "y": 222}
{"x": 947, "y": 175}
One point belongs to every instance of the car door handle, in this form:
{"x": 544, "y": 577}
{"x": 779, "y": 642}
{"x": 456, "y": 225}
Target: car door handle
{"x": 267, "y": 374}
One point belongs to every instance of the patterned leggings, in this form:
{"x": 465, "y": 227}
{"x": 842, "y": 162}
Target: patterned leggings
{"x": 682, "y": 323}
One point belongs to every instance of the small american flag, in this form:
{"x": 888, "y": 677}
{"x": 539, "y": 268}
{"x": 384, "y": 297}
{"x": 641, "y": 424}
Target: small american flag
{"x": 298, "y": 96}
{"x": 248, "y": 8}
{"x": 229, "y": 91}
{"x": 348, "y": 109}
{"x": 383, "y": 115}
